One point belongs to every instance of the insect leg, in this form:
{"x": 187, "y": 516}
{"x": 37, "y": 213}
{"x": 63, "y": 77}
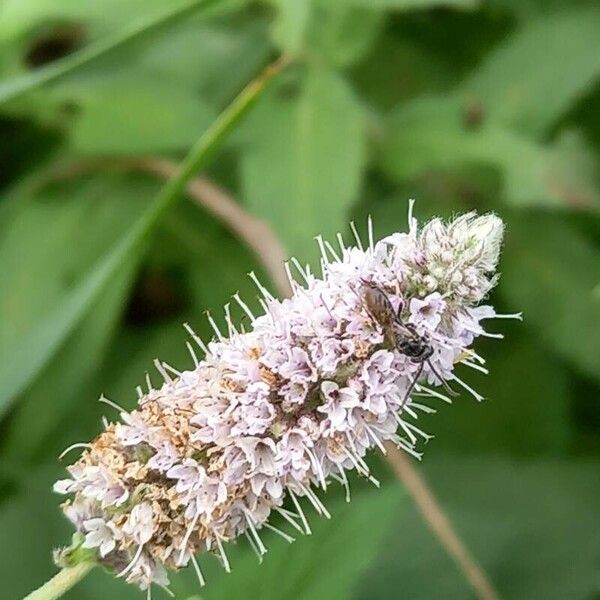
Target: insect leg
{"x": 448, "y": 389}
{"x": 411, "y": 387}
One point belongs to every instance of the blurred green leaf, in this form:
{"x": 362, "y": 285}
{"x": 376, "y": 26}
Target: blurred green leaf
{"x": 440, "y": 133}
{"x": 306, "y": 154}
{"x": 532, "y": 525}
{"x": 415, "y": 4}
{"x": 150, "y": 115}
{"x": 550, "y": 272}
{"x": 536, "y": 74}
{"x": 12, "y": 89}
{"x": 32, "y": 351}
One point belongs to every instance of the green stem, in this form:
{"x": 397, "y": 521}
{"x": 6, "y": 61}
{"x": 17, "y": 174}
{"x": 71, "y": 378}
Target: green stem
{"x": 62, "y": 582}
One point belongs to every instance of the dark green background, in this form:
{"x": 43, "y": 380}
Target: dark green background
{"x": 489, "y": 105}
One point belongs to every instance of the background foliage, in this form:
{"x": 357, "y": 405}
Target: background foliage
{"x": 491, "y": 105}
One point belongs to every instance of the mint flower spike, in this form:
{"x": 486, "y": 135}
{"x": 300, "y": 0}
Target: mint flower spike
{"x": 289, "y": 406}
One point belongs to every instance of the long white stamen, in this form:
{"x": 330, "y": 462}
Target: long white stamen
{"x": 288, "y": 272}
{"x": 288, "y": 538}
{"x": 475, "y": 366}
{"x": 319, "y": 506}
{"x": 263, "y": 290}
{"x": 222, "y": 553}
{"x": 332, "y": 251}
{"x": 356, "y": 236}
{"x": 231, "y": 330}
{"x": 423, "y": 408}
{"x": 104, "y": 400}
{"x": 148, "y": 382}
{"x": 317, "y": 466}
{"x": 135, "y": 558}
{"x": 197, "y": 339}
{"x": 287, "y": 516}
{"x": 214, "y": 326}
{"x": 253, "y": 546}
{"x": 431, "y": 393}
{"x": 173, "y": 370}
{"x": 370, "y": 230}
{"x": 518, "y": 316}
{"x": 323, "y": 251}
{"x": 362, "y": 463}
{"x": 345, "y": 482}
{"x": 402, "y": 424}
{"x": 167, "y": 590}
{"x": 162, "y": 371}
{"x": 469, "y": 389}
{"x": 244, "y": 307}
{"x": 307, "y": 529}
{"x": 199, "y": 574}
{"x": 374, "y": 481}
{"x": 187, "y": 536}
{"x": 340, "y": 241}
{"x": 192, "y": 354}
{"x": 299, "y": 268}
{"x": 377, "y": 441}
{"x": 250, "y": 521}
{"x": 72, "y": 447}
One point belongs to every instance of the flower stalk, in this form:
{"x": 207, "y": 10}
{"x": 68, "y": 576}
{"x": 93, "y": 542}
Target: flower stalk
{"x": 287, "y": 407}
{"x": 62, "y": 582}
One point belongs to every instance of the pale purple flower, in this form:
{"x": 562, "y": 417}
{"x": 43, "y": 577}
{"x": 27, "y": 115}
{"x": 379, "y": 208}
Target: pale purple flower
{"x": 290, "y": 405}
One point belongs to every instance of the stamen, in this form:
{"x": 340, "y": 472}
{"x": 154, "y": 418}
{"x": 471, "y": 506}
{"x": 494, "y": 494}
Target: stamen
{"x": 433, "y": 393}
{"x": 323, "y": 251}
{"x": 222, "y": 553}
{"x": 231, "y": 330}
{"x": 474, "y": 366}
{"x": 173, "y": 370}
{"x": 287, "y": 516}
{"x": 307, "y": 529}
{"x": 244, "y": 307}
{"x": 317, "y": 467}
{"x": 148, "y": 382}
{"x": 345, "y": 482}
{"x": 319, "y": 506}
{"x": 377, "y": 441}
{"x": 423, "y": 408}
{"x": 340, "y": 241}
{"x": 288, "y": 538}
{"x": 263, "y": 290}
{"x": 197, "y": 339}
{"x": 193, "y": 354}
{"x": 253, "y": 546}
{"x": 214, "y": 326}
{"x": 163, "y": 373}
{"x": 518, "y": 316}
{"x": 370, "y": 230}
{"x": 199, "y": 574}
{"x": 332, "y": 251}
{"x": 250, "y": 521}
{"x": 133, "y": 561}
{"x": 187, "y": 536}
{"x": 299, "y": 268}
{"x": 469, "y": 389}
{"x": 288, "y": 272}
{"x": 356, "y": 236}
{"x": 104, "y": 400}
{"x": 72, "y": 447}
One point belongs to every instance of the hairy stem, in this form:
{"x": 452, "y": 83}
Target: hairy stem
{"x": 62, "y": 582}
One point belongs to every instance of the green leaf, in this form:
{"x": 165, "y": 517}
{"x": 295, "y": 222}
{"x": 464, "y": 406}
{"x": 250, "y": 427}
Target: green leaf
{"x": 304, "y": 158}
{"x": 150, "y": 116}
{"x": 32, "y": 351}
{"x": 415, "y": 4}
{"x": 532, "y": 525}
{"x": 435, "y": 133}
{"x": 14, "y": 88}
{"x": 550, "y": 272}
{"x": 537, "y": 74}
{"x": 85, "y": 219}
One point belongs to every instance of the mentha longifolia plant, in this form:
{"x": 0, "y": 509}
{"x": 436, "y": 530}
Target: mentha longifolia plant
{"x": 286, "y": 407}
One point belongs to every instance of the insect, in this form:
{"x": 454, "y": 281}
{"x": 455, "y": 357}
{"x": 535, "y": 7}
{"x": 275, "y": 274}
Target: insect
{"x": 402, "y": 336}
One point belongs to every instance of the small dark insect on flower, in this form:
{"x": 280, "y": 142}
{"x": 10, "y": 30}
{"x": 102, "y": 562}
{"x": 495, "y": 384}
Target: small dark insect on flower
{"x": 403, "y": 336}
